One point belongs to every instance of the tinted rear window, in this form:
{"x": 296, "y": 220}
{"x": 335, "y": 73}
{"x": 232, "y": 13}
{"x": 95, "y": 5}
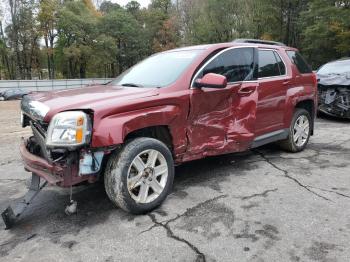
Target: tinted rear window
{"x": 268, "y": 65}
{"x": 300, "y": 62}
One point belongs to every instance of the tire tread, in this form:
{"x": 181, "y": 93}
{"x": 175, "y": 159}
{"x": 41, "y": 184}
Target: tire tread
{"x": 115, "y": 171}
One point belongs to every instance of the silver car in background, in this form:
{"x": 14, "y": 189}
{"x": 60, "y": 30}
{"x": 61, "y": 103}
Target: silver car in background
{"x": 334, "y": 88}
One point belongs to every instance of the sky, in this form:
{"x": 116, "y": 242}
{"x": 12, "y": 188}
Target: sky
{"x": 143, "y": 3}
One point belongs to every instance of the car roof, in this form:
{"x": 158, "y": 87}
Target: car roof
{"x": 231, "y": 44}
{"x": 339, "y": 61}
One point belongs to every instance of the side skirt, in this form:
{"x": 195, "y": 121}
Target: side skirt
{"x": 270, "y": 137}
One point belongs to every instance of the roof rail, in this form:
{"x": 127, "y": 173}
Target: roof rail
{"x": 258, "y": 41}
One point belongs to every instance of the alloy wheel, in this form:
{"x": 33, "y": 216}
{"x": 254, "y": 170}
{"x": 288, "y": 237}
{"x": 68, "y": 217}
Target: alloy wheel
{"x": 301, "y": 130}
{"x": 147, "y": 176}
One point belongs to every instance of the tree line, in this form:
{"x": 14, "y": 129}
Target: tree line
{"x": 80, "y": 38}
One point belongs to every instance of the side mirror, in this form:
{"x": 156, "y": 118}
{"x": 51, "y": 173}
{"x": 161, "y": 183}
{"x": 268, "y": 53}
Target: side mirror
{"x": 211, "y": 80}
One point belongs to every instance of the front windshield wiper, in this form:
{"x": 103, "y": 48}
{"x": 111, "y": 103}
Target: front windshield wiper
{"x": 131, "y": 85}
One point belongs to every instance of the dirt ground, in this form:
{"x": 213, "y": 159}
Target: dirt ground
{"x": 263, "y": 205}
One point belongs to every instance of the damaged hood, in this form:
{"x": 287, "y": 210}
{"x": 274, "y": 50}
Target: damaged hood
{"x": 43, "y": 106}
{"x": 334, "y": 79}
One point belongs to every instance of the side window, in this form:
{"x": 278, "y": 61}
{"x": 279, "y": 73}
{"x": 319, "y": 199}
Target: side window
{"x": 300, "y": 62}
{"x": 236, "y": 64}
{"x": 280, "y": 63}
{"x": 268, "y": 65}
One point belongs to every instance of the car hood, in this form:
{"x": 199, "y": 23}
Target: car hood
{"x": 43, "y": 105}
{"x": 334, "y": 79}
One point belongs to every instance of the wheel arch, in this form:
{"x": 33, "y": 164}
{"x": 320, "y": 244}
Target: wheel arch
{"x": 159, "y": 132}
{"x": 309, "y": 106}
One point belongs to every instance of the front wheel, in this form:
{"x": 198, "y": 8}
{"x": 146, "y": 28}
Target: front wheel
{"x": 139, "y": 177}
{"x": 299, "y": 132}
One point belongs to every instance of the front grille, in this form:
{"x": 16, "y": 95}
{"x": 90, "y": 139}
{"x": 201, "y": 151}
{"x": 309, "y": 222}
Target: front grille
{"x": 40, "y": 139}
{"x": 42, "y": 129}
{"x": 40, "y": 133}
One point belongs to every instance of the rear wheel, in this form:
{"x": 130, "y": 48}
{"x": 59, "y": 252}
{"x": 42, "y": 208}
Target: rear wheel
{"x": 139, "y": 177}
{"x": 299, "y": 132}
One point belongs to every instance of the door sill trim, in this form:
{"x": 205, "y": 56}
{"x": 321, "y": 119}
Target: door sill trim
{"x": 270, "y": 137}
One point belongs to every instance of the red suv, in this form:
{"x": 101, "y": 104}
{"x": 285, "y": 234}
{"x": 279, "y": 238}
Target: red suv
{"x": 175, "y": 106}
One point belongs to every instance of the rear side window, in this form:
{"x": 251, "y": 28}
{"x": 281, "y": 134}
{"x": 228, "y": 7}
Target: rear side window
{"x": 268, "y": 64}
{"x": 300, "y": 62}
{"x": 236, "y": 64}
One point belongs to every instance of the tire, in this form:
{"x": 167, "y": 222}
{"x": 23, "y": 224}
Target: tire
{"x": 290, "y": 144}
{"x": 124, "y": 168}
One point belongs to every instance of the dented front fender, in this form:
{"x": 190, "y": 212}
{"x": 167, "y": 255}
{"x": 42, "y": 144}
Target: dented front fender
{"x": 113, "y": 129}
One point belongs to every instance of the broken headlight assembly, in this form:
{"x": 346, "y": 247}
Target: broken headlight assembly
{"x": 69, "y": 129}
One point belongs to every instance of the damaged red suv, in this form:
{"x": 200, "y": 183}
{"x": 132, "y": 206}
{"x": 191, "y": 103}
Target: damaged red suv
{"x": 175, "y": 106}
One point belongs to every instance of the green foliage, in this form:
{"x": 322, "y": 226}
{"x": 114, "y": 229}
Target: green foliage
{"x": 164, "y": 6}
{"x": 22, "y": 39}
{"x": 77, "y": 31}
{"x": 133, "y": 7}
{"x": 326, "y": 34}
{"x": 214, "y": 21}
{"x": 120, "y": 29}
{"x": 108, "y": 6}
{"x": 48, "y": 19}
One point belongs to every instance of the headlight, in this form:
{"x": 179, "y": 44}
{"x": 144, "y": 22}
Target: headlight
{"x": 69, "y": 129}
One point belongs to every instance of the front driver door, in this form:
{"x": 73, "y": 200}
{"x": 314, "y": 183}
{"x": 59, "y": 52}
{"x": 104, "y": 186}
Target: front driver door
{"x": 223, "y": 120}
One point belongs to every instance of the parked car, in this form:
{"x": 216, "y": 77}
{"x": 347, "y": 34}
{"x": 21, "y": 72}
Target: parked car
{"x": 334, "y": 88}
{"x": 13, "y": 94}
{"x": 173, "y": 107}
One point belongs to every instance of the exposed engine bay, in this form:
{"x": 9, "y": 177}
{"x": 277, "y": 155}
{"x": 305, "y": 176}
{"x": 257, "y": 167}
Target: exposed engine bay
{"x": 334, "y": 100}
{"x": 334, "y": 91}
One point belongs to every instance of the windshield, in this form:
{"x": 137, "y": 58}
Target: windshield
{"x": 338, "y": 68}
{"x": 159, "y": 70}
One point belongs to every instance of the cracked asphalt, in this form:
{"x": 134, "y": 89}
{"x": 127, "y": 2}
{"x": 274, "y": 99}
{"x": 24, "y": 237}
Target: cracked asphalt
{"x": 261, "y": 205}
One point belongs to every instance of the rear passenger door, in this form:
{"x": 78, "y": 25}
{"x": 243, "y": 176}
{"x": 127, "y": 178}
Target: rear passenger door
{"x": 273, "y": 84}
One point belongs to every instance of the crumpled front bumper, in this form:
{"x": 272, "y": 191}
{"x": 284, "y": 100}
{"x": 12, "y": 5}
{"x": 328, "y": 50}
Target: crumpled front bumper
{"x": 64, "y": 173}
{"x": 52, "y": 173}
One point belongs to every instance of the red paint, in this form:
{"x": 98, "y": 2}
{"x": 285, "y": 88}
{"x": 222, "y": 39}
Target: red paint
{"x": 212, "y": 80}
{"x": 51, "y": 173}
{"x": 202, "y": 122}
{"x": 221, "y": 120}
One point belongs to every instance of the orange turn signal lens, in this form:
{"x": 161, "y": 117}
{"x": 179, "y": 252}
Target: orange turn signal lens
{"x": 79, "y": 135}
